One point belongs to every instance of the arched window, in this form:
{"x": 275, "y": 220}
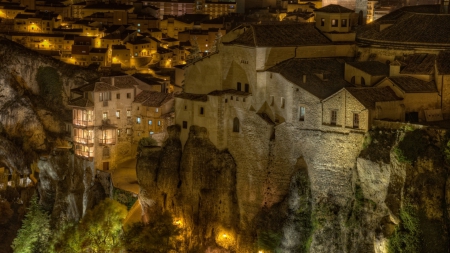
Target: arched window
{"x": 236, "y": 125}
{"x": 353, "y": 80}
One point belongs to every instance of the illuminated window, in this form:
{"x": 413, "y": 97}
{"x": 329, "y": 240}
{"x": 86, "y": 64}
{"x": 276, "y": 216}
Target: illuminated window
{"x": 105, "y": 115}
{"x": 138, "y": 120}
{"x": 302, "y": 114}
{"x": 128, "y": 113}
{"x": 159, "y": 122}
{"x": 150, "y": 122}
{"x": 334, "y": 22}
{"x": 118, "y": 114}
{"x": 157, "y": 110}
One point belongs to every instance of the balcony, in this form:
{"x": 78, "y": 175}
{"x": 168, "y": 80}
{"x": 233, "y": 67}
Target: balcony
{"x": 78, "y": 122}
{"x": 87, "y": 154}
{"x": 107, "y": 141}
{"x": 89, "y": 140}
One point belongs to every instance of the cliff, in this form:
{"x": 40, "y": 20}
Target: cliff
{"x": 311, "y": 191}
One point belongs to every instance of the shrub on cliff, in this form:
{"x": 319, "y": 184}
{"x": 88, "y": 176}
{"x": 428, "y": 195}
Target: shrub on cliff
{"x": 411, "y": 146}
{"x": 35, "y": 231}
{"x": 50, "y": 87}
{"x": 407, "y": 235}
{"x": 159, "y": 235}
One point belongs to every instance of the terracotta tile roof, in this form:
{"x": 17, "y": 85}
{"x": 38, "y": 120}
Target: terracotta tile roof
{"x": 410, "y": 26}
{"x": 419, "y": 64}
{"x": 121, "y": 82}
{"x": 103, "y": 6}
{"x": 192, "y": 96}
{"x": 374, "y": 68}
{"x": 153, "y": 98}
{"x": 443, "y": 63}
{"x": 331, "y": 69}
{"x": 281, "y": 35}
{"x": 334, "y": 8}
{"x": 101, "y": 86}
{"x": 230, "y": 91}
{"x": 368, "y": 96}
{"x": 81, "y": 102}
{"x": 413, "y": 85}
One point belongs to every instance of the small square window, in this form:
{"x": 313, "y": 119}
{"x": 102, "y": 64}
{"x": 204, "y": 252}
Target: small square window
{"x": 157, "y": 110}
{"x": 118, "y": 95}
{"x": 185, "y": 124}
{"x": 128, "y": 112}
{"x": 138, "y": 120}
{"x": 128, "y": 95}
{"x": 118, "y": 114}
{"x": 150, "y": 122}
{"x": 334, "y": 23}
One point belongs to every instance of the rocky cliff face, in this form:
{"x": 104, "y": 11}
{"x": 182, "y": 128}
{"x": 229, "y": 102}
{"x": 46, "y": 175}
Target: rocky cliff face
{"x": 334, "y": 192}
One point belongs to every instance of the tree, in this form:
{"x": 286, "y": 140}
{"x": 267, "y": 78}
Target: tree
{"x": 101, "y": 227}
{"x": 160, "y": 235}
{"x": 5, "y": 211}
{"x": 33, "y": 236}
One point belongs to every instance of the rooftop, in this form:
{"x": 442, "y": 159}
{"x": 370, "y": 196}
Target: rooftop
{"x": 324, "y": 76}
{"x": 368, "y": 96}
{"x": 334, "y": 8}
{"x": 281, "y": 35}
{"x": 413, "y": 85}
{"x": 443, "y": 63}
{"x": 373, "y": 68}
{"x": 153, "y": 98}
{"x": 419, "y": 64}
{"x": 121, "y": 82}
{"x": 81, "y": 102}
{"x": 192, "y": 96}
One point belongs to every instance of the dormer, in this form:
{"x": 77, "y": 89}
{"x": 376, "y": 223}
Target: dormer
{"x": 333, "y": 18}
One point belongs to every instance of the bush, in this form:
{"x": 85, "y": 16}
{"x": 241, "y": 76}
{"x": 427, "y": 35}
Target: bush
{"x": 50, "y": 87}
{"x": 411, "y": 146}
{"x": 146, "y": 141}
{"x": 406, "y": 236}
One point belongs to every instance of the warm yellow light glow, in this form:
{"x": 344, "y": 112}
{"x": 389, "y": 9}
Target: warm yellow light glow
{"x": 260, "y": 251}
{"x": 224, "y": 236}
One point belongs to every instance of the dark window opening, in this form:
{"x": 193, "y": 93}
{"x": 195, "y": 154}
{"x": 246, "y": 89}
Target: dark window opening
{"x": 238, "y": 86}
{"x": 353, "y": 80}
{"x": 185, "y": 124}
{"x": 322, "y": 22}
{"x": 333, "y": 117}
{"x": 236, "y": 125}
{"x": 344, "y": 23}
{"x": 247, "y": 88}
{"x": 363, "y": 82}
{"x": 201, "y": 111}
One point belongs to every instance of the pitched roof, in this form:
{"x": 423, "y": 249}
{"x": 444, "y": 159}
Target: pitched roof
{"x": 410, "y": 26}
{"x": 413, "y": 85}
{"x": 81, "y": 102}
{"x": 443, "y": 62}
{"x": 331, "y": 70}
{"x": 192, "y": 96}
{"x": 374, "y": 68}
{"x": 419, "y": 64}
{"x": 101, "y": 86}
{"x": 281, "y": 35}
{"x": 368, "y": 96}
{"x": 230, "y": 91}
{"x": 121, "y": 82}
{"x": 334, "y": 8}
{"x": 153, "y": 98}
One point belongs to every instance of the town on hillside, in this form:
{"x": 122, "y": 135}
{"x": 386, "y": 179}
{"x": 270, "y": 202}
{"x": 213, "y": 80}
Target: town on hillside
{"x": 314, "y": 66}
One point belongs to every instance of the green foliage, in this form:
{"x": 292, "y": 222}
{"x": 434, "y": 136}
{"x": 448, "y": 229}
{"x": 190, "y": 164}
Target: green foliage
{"x": 5, "y": 211}
{"x": 159, "y": 235}
{"x": 269, "y": 240}
{"x": 50, "y": 87}
{"x": 98, "y": 231}
{"x": 411, "y": 146}
{"x": 406, "y": 236}
{"x": 124, "y": 197}
{"x": 146, "y": 141}
{"x": 101, "y": 227}
{"x": 33, "y": 236}
{"x": 447, "y": 152}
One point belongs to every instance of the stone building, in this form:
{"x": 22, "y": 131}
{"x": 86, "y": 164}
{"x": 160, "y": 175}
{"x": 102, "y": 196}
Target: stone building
{"x": 103, "y": 118}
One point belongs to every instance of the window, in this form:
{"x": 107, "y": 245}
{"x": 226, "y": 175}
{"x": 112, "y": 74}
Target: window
{"x": 271, "y": 100}
{"x": 118, "y": 95}
{"x": 333, "y": 119}
{"x": 322, "y": 22}
{"x": 282, "y": 102}
{"x": 150, "y": 122}
{"x": 237, "y": 98}
{"x": 151, "y": 133}
{"x": 353, "y": 80}
{"x": 334, "y": 22}
{"x": 185, "y": 124}
{"x": 105, "y": 115}
{"x": 138, "y": 120}
{"x": 236, "y": 125}
{"x": 105, "y": 96}
{"x": 128, "y": 113}
{"x": 355, "y": 120}
{"x": 238, "y": 86}
{"x": 202, "y": 111}
{"x": 231, "y": 98}
{"x": 344, "y": 23}
{"x": 226, "y": 100}
{"x": 118, "y": 132}
{"x": 159, "y": 122}
{"x": 247, "y": 88}
{"x": 157, "y": 110}
{"x": 301, "y": 116}
{"x": 185, "y": 107}
{"x": 118, "y": 114}
{"x": 128, "y": 131}
{"x": 363, "y": 82}
{"x": 128, "y": 95}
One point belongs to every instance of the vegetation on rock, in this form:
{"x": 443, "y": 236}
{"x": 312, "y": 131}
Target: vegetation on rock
{"x": 35, "y": 231}
{"x": 50, "y": 87}
{"x": 411, "y": 146}
{"x": 406, "y": 237}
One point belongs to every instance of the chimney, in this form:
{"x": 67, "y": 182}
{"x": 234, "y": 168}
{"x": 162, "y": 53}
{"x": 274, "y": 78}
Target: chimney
{"x": 394, "y": 68}
{"x": 304, "y": 78}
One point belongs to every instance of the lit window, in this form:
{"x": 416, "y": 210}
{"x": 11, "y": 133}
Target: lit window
{"x": 105, "y": 115}
{"x": 138, "y": 120}
{"x": 151, "y": 133}
{"x": 150, "y": 122}
{"x": 139, "y": 24}
{"x": 118, "y": 114}
{"x": 128, "y": 112}
{"x": 334, "y": 22}
{"x": 157, "y": 110}
{"x": 302, "y": 114}
{"x": 159, "y": 122}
